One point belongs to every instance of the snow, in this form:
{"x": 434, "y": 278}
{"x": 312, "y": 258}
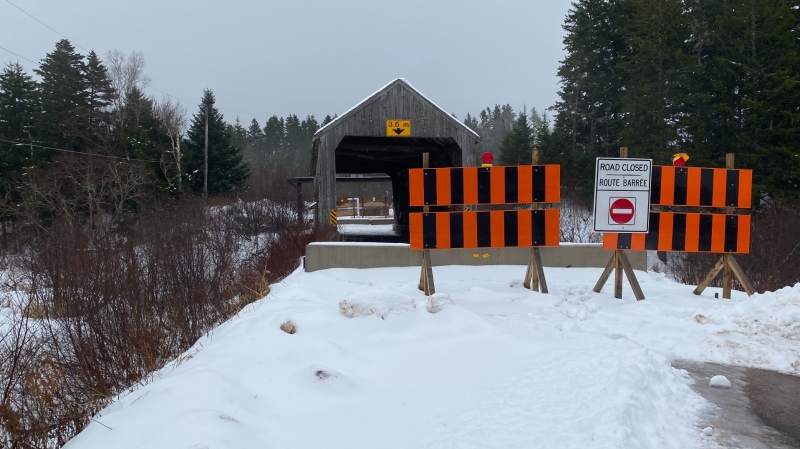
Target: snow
{"x": 719, "y": 381}
{"x": 496, "y": 366}
{"x": 365, "y": 229}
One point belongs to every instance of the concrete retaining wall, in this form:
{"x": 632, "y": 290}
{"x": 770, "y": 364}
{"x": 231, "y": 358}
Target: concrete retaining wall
{"x": 322, "y": 255}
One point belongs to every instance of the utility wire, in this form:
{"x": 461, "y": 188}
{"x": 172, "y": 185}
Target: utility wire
{"x": 155, "y": 89}
{"x": 42, "y": 147}
{"x": 18, "y": 55}
{"x": 46, "y": 25}
{"x": 151, "y": 87}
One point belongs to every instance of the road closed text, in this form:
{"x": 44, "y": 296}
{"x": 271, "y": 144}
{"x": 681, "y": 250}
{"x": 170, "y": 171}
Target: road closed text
{"x": 622, "y": 182}
{"x": 617, "y": 167}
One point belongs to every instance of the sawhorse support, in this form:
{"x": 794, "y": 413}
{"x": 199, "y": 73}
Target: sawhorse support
{"x": 426, "y": 274}
{"x": 619, "y": 262}
{"x": 732, "y": 268}
{"x": 534, "y": 277}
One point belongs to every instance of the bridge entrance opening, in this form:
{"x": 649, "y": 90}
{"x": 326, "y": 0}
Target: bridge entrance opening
{"x": 393, "y": 156}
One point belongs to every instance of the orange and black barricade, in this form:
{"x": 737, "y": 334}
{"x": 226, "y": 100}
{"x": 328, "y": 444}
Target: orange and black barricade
{"x": 523, "y": 184}
{"x": 697, "y": 186}
{"x": 687, "y": 232}
{"x": 484, "y": 229}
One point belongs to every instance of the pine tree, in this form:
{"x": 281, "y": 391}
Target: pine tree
{"x": 589, "y": 109}
{"x": 515, "y": 147}
{"x": 99, "y": 92}
{"x": 17, "y": 102}
{"x": 274, "y": 135}
{"x": 656, "y": 74}
{"x": 293, "y": 143}
{"x": 746, "y": 72}
{"x": 544, "y": 140}
{"x": 61, "y": 92}
{"x": 254, "y": 133}
{"x": 226, "y": 171}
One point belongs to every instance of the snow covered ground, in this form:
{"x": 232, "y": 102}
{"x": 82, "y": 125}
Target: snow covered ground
{"x": 496, "y": 366}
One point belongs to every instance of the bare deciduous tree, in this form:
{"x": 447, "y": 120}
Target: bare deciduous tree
{"x": 127, "y": 75}
{"x": 172, "y": 117}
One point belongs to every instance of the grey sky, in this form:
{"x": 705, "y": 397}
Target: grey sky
{"x": 264, "y": 58}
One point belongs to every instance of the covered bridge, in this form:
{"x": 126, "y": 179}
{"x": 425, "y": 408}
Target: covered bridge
{"x": 387, "y": 133}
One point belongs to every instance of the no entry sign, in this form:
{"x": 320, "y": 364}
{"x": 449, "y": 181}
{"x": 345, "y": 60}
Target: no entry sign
{"x": 622, "y": 210}
{"x": 622, "y": 195}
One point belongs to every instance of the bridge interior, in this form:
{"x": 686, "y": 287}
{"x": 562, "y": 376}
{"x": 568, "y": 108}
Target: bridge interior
{"x": 394, "y": 156}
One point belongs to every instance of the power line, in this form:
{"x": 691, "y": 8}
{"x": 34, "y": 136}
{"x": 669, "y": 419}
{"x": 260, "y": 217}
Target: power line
{"x": 46, "y": 25}
{"x": 157, "y": 90}
{"x": 29, "y": 145}
{"x": 151, "y": 87}
{"x": 18, "y": 55}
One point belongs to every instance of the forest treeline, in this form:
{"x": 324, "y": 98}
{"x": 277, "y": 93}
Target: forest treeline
{"x": 704, "y": 77}
{"x": 121, "y": 266}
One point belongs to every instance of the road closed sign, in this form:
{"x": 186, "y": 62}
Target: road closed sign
{"x": 622, "y": 195}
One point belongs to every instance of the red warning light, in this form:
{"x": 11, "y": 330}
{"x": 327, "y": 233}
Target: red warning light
{"x": 487, "y": 158}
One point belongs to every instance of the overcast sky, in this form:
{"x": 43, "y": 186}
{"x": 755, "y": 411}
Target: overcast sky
{"x": 303, "y": 57}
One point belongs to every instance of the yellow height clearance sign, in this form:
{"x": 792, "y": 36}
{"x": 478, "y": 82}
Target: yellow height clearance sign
{"x": 398, "y": 128}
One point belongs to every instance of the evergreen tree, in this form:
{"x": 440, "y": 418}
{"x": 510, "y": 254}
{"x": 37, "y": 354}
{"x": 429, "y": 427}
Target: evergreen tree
{"x": 17, "y": 102}
{"x": 303, "y": 159}
{"x": 471, "y": 122}
{"x": 293, "y": 143}
{"x": 246, "y": 140}
{"x": 61, "y": 92}
{"x": 515, "y": 147}
{"x": 655, "y": 70}
{"x": 327, "y": 120}
{"x": 254, "y": 133}
{"x": 590, "y": 107}
{"x": 274, "y": 135}
{"x": 494, "y": 124}
{"x": 226, "y": 171}
{"x": 99, "y": 93}
{"x": 544, "y": 140}
{"x": 138, "y": 137}
{"x": 747, "y": 76}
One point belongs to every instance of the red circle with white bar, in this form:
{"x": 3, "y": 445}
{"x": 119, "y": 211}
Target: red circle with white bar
{"x": 621, "y": 211}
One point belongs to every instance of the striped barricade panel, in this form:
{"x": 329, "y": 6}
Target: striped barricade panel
{"x": 485, "y": 185}
{"x": 687, "y": 232}
{"x": 484, "y": 229}
{"x": 697, "y": 186}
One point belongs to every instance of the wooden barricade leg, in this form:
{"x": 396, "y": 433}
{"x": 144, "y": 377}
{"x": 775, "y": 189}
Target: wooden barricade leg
{"x": 617, "y": 275}
{"x": 626, "y": 266}
{"x": 727, "y": 262}
{"x": 539, "y": 271}
{"x": 710, "y": 276}
{"x": 606, "y": 273}
{"x": 727, "y": 277}
{"x": 739, "y": 273}
{"x": 731, "y": 268}
{"x": 531, "y": 281}
{"x": 426, "y": 274}
{"x": 619, "y": 263}
{"x": 534, "y": 277}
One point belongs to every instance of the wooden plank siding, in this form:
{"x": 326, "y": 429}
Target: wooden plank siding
{"x": 397, "y": 100}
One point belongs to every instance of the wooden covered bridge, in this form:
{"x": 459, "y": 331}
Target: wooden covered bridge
{"x": 387, "y": 133}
